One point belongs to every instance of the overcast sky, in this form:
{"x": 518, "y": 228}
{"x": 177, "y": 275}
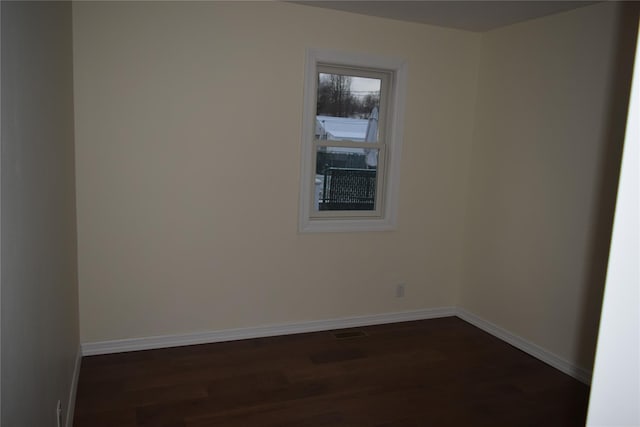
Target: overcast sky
{"x": 361, "y": 85}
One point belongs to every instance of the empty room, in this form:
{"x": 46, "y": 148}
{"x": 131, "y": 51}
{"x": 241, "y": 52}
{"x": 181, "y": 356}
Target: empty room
{"x": 369, "y": 213}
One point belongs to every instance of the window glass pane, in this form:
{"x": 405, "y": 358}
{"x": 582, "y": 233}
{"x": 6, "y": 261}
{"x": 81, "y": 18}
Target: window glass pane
{"x": 347, "y": 108}
{"x": 345, "y": 179}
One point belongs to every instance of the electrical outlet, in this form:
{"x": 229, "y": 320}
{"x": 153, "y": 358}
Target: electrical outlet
{"x": 59, "y": 413}
{"x": 400, "y": 290}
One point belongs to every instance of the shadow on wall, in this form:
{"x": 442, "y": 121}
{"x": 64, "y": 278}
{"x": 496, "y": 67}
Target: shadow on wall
{"x": 611, "y": 157}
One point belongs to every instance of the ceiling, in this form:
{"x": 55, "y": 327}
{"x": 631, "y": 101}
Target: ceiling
{"x": 465, "y": 15}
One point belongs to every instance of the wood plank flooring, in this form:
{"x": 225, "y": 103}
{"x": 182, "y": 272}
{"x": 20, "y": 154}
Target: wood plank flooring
{"x": 440, "y": 372}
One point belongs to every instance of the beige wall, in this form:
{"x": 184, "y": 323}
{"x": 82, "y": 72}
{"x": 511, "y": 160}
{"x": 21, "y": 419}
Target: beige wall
{"x": 549, "y": 125}
{"x": 188, "y": 121}
{"x": 40, "y": 339}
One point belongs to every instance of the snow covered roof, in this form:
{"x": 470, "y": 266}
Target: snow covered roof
{"x": 341, "y": 128}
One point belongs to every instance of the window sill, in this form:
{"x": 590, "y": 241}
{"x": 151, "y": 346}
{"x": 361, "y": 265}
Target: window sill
{"x": 346, "y": 225}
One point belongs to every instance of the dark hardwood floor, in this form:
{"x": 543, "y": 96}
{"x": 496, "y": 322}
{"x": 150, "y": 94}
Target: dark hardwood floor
{"x": 440, "y": 372}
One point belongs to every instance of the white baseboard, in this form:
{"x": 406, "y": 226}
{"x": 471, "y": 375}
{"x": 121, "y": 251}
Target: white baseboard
{"x": 71, "y": 405}
{"x": 528, "y": 347}
{"x": 146, "y": 343}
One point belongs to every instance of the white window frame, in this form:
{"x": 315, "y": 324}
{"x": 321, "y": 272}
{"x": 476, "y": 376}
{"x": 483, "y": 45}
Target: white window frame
{"x": 384, "y": 217}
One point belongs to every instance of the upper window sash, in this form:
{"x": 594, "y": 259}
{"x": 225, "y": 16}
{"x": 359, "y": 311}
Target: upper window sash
{"x": 385, "y": 78}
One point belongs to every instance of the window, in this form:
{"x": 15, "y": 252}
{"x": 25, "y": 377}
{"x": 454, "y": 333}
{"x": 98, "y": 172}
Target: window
{"x": 351, "y": 141}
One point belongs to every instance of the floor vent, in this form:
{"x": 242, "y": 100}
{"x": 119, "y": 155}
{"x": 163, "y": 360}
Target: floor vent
{"x": 344, "y": 335}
